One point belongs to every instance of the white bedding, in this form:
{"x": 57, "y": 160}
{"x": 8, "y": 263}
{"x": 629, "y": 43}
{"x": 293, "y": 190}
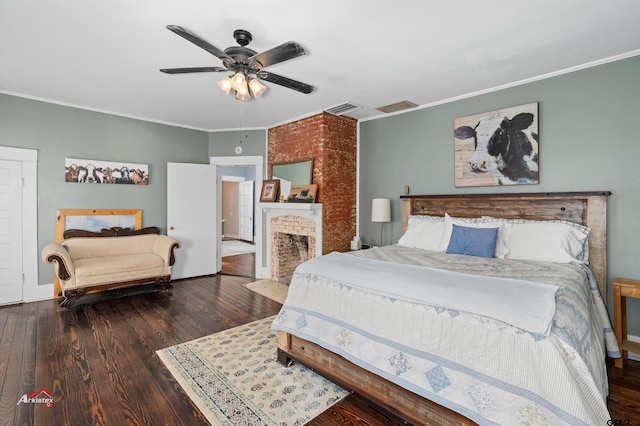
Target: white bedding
{"x": 525, "y": 304}
{"x": 487, "y": 369}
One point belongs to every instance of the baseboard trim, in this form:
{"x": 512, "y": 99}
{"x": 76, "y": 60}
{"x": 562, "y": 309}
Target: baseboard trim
{"x": 37, "y": 293}
{"x": 262, "y": 273}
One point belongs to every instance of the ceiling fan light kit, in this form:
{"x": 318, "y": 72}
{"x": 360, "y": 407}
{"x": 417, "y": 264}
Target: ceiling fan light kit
{"x": 245, "y": 64}
{"x": 241, "y": 85}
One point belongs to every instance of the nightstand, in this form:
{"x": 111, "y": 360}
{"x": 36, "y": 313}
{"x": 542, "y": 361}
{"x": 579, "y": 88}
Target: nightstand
{"x": 623, "y": 288}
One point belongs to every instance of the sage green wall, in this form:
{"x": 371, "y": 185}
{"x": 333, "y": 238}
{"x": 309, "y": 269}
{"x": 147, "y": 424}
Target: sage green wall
{"x": 589, "y": 140}
{"x": 253, "y": 142}
{"x": 58, "y": 132}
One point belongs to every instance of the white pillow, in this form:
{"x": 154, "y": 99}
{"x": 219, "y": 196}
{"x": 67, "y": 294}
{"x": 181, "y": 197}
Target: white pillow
{"x": 504, "y": 230}
{"x": 424, "y": 232}
{"x": 546, "y": 241}
{"x": 563, "y": 252}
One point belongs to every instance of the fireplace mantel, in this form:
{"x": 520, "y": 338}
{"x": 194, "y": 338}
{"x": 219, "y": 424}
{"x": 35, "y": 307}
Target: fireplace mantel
{"x": 312, "y": 207}
{"x": 308, "y": 211}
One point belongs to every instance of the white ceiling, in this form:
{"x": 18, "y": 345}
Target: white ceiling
{"x": 105, "y": 55}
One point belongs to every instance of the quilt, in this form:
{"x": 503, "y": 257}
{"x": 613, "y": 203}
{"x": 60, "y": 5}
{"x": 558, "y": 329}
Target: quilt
{"x": 485, "y": 368}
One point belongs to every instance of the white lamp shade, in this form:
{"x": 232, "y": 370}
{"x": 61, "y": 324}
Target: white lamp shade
{"x": 257, "y": 88}
{"x": 243, "y": 94}
{"x": 225, "y": 84}
{"x": 238, "y": 82}
{"x": 381, "y": 210}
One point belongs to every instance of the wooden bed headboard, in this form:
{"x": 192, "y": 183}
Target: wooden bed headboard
{"x": 586, "y": 208}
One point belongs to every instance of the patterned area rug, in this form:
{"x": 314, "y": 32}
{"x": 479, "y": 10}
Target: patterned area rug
{"x": 234, "y": 247}
{"x": 269, "y": 288}
{"x": 234, "y": 379}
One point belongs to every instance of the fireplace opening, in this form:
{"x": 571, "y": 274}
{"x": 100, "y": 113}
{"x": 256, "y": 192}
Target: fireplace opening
{"x": 292, "y": 250}
{"x": 294, "y": 240}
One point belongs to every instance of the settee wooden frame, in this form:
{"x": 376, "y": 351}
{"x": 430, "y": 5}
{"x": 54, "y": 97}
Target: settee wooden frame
{"x": 587, "y": 208}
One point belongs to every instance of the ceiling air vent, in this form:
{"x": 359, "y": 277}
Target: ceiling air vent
{"x": 398, "y": 106}
{"x": 343, "y": 108}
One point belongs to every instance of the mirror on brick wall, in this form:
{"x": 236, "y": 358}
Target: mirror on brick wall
{"x": 293, "y": 173}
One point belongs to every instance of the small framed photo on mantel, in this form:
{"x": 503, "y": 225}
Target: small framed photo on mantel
{"x": 270, "y": 190}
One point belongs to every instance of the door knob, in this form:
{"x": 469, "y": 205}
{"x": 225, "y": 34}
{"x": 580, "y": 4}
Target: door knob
{"x": 171, "y": 228}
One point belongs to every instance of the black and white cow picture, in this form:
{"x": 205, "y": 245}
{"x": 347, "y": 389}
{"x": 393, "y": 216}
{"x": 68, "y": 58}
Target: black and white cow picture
{"x": 89, "y": 174}
{"x": 92, "y": 171}
{"x": 504, "y": 150}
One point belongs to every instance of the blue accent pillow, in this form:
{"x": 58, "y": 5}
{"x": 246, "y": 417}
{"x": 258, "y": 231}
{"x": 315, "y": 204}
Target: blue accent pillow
{"x": 473, "y": 241}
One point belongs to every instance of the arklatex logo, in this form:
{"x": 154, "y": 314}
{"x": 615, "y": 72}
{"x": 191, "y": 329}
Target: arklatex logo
{"x": 40, "y": 397}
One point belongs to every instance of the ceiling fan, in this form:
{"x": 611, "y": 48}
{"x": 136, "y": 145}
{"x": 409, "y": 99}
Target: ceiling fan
{"x": 246, "y": 64}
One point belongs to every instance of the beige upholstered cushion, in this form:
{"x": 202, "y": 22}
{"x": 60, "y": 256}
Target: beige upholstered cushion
{"x": 113, "y": 269}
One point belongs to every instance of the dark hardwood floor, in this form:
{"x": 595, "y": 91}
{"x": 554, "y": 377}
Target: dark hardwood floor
{"x": 98, "y": 360}
{"x": 240, "y": 265}
{"x": 624, "y": 392}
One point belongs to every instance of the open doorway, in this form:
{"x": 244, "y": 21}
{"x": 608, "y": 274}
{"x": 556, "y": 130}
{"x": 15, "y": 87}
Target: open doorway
{"x": 238, "y": 227}
{"x": 238, "y": 203}
{"x": 241, "y": 220}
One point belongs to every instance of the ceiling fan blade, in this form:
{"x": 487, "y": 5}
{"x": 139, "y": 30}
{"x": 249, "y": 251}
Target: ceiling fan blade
{"x": 193, "y": 69}
{"x": 185, "y": 33}
{"x": 286, "y": 82}
{"x": 278, "y": 54}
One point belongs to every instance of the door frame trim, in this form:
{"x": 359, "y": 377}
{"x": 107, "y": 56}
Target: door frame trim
{"x": 31, "y": 291}
{"x": 248, "y": 160}
{"x": 253, "y": 215}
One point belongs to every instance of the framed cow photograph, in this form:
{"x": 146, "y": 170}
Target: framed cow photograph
{"x": 497, "y": 148}
{"x": 109, "y": 172}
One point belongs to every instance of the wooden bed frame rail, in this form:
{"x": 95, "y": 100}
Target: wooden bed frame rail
{"x": 378, "y": 391}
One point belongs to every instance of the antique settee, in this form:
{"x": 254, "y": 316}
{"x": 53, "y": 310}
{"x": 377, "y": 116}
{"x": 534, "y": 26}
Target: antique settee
{"x": 88, "y": 262}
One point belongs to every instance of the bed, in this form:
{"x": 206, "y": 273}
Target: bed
{"x": 526, "y": 345}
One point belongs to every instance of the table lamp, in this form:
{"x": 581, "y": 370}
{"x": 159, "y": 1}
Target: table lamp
{"x": 381, "y": 212}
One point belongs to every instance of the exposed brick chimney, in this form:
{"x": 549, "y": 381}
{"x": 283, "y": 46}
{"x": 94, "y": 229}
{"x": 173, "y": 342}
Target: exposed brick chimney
{"x": 331, "y": 141}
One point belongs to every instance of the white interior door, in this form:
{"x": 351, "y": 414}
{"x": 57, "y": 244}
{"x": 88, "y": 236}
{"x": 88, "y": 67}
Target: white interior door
{"x": 192, "y": 218}
{"x": 11, "y": 277}
{"x": 246, "y": 210}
